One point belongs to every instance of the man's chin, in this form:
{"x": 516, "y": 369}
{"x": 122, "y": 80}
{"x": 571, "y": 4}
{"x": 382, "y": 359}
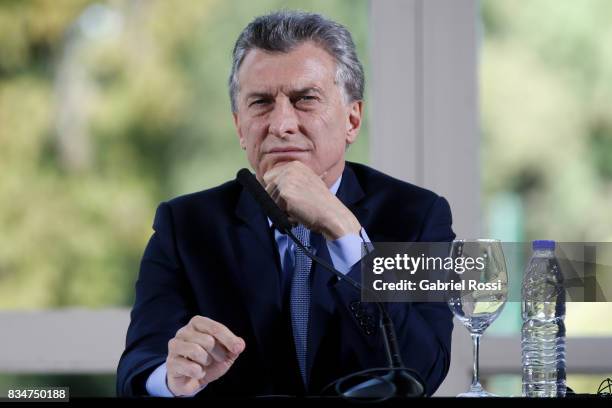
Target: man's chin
{"x": 284, "y": 160}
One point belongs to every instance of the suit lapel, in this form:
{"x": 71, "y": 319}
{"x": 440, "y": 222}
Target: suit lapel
{"x": 351, "y": 194}
{"x": 257, "y": 275}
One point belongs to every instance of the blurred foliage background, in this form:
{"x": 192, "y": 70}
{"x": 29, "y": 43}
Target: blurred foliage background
{"x": 546, "y": 109}
{"x": 106, "y": 109}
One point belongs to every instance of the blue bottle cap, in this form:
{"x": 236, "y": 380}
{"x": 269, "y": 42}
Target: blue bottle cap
{"x": 543, "y": 244}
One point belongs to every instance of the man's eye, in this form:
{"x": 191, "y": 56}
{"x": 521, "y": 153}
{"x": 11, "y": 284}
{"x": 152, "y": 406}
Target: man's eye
{"x": 259, "y": 102}
{"x": 306, "y": 98}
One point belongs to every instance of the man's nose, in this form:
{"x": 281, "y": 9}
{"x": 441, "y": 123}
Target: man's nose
{"x": 283, "y": 119}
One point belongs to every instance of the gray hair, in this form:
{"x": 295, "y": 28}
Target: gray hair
{"x": 284, "y": 30}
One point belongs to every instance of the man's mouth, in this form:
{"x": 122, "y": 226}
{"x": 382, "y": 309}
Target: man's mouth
{"x": 280, "y": 150}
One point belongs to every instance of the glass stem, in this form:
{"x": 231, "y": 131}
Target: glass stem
{"x": 476, "y": 376}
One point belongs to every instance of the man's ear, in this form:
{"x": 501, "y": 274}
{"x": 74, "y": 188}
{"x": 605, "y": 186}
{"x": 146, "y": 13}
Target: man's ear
{"x": 238, "y": 131}
{"x": 353, "y": 121}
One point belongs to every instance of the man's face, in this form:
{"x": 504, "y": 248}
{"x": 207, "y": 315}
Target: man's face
{"x": 290, "y": 108}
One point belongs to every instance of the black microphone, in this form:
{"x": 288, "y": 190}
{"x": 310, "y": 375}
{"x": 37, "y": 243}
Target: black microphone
{"x": 397, "y": 380}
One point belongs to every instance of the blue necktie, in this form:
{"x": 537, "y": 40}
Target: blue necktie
{"x": 300, "y": 298}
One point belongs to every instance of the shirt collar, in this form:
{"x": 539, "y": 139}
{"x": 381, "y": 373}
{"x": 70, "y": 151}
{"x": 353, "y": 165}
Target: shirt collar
{"x": 336, "y": 185}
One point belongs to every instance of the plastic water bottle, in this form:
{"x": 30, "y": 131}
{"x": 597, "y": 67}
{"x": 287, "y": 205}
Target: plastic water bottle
{"x": 543, "y": 332}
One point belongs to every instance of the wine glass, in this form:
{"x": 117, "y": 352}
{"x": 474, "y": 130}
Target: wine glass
{"x": 482, "y": 295}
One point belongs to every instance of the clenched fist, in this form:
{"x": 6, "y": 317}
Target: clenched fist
{"x": 201, "y": 352}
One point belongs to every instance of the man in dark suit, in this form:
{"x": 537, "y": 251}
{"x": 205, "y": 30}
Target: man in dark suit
{"x": 225, "y": 304}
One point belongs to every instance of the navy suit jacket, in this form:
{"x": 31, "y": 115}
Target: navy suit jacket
{"x": 214, "y": 254}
